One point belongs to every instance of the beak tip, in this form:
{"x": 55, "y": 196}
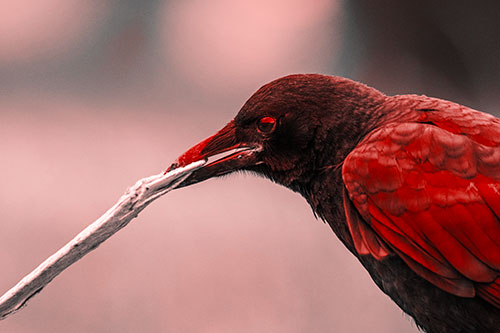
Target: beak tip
{"x": 173, "y": 166}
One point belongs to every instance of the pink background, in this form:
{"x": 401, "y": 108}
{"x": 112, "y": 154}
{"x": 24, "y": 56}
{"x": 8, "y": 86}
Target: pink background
{"x": 97, "y": 94}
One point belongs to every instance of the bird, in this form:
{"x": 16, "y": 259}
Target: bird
{"x": 410, "y": 184}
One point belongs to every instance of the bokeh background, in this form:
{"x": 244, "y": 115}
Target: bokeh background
{"x": 97, "y": 94}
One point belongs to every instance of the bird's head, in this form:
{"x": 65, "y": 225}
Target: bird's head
{"x": 281, "y": 131}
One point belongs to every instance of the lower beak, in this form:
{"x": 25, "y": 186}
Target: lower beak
{"x": 223, "y": 153}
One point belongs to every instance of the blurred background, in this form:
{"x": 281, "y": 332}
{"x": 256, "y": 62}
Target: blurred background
{"x": 97, "y": 94}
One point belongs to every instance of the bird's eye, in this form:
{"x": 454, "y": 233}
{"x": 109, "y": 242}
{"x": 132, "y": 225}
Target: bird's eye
{"x": 266, "y": 125}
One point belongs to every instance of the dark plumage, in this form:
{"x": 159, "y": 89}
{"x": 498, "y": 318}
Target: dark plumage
{"x": 410, "y": 184}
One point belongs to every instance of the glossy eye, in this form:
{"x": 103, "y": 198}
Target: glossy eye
{"x": 266, "y": 125}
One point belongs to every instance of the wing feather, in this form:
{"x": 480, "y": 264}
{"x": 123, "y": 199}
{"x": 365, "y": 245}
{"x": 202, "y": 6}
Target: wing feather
{"x": 429, "y": 192}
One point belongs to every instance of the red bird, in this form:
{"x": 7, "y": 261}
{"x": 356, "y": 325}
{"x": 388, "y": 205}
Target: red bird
{"x": 410, "y": 184}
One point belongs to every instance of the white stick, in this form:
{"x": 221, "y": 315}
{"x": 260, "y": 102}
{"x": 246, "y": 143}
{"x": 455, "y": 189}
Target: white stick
{"x": 130, "y": 204}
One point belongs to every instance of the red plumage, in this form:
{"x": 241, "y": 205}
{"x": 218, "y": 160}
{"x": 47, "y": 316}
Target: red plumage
{"x": 427, "y": 189}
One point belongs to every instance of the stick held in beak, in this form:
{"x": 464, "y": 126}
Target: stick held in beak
{"x": 223, "y": 152}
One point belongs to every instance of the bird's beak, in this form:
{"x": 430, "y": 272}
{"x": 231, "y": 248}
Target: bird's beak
{"x": 223, "y": 153}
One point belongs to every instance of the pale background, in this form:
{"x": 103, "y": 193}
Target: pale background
{"x": 97, "y": 94}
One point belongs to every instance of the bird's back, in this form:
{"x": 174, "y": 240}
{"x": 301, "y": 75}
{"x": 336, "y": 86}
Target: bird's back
{"x": 421, "y": 207}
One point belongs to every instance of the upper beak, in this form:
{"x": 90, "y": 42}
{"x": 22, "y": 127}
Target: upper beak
{"x": 223, "y": 153}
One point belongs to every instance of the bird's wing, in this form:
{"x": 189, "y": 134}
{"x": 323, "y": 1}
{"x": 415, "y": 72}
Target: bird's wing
{"x": 429, "y": 192}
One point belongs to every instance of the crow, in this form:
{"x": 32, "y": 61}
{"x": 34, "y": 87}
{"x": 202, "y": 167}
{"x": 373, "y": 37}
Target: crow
{"x": 410, "y": 184}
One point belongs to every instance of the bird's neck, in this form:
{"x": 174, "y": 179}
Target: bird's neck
{"x": 320, "y": 182}
{"x": 357, "y": 110}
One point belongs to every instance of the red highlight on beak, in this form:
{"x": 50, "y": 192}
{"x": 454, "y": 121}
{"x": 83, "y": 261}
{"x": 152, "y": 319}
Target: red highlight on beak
{"x": 222, "y": 141}
{"x": 193, "y": 154}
